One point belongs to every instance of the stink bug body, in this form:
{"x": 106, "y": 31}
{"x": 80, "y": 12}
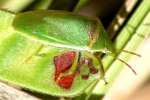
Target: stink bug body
{"x": 81, "y": 38}
{"x": 65, "y": 30}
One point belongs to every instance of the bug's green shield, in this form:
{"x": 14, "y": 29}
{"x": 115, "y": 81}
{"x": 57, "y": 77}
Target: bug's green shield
{"x": 63, "y": 29}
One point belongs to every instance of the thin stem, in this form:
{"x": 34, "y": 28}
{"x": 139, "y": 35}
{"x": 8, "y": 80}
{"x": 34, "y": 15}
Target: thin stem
{"x": 16, "y": 5}
{"x": 42, "y": 4}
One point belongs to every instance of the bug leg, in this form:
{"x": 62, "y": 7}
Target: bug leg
{"x": 101, "y": 67}
{"x": 93, "y": 70}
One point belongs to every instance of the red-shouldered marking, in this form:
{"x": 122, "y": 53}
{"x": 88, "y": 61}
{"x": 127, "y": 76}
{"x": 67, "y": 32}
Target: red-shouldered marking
{"x": 66, "y": 81}
{"x": 62, "y": 63}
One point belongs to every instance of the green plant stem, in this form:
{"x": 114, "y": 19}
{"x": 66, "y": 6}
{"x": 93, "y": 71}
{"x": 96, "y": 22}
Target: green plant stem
{"x": 15, "y": 5}
{"x": 42, "y": 4}
{"x": 121, "y": 17}
{"x": 80, "y": 4}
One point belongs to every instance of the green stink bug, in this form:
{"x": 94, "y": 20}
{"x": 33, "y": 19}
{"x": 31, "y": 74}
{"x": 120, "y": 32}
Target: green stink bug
{"x": 82, "y": 40}
{"x": 65, "y": 30}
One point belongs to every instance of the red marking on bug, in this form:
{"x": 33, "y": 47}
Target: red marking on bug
{"x": 66, "y": 81}
{"x": 62, "y": 64}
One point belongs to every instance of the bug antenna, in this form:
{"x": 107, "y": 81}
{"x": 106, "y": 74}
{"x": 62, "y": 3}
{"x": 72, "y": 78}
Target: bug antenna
{"x": 127, "y": 65}
{"x": 133, "y": 53}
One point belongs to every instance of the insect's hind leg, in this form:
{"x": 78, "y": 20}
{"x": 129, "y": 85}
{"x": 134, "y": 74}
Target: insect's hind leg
{"x": 101, "y": 67}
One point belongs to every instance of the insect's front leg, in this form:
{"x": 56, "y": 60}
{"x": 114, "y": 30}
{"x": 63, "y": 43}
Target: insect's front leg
{"x": 101, "y": 67}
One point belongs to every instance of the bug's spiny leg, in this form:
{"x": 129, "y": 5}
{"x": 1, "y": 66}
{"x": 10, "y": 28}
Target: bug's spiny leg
{"x": 101, "y": 67}
{"x": 93, "y": 70}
